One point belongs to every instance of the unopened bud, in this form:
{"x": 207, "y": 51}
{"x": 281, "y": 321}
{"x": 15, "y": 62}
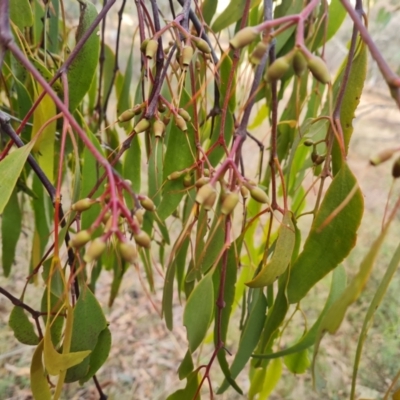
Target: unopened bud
{"x": 187, "y": 180}
{"x": 127, "y": 115}
{"x": 278, "y": 68}
{"x": 80, "y": 239}
{"x": 187, "y": 54}
{"x": 230, "y": 202}
{"x": 158, "y": 128}
{"x": 319, "y": 69}
{"x": 244, "y": 37}
{"x": 258, "y": 53}
{"x": 139, "y": 213}
{"x": 396, "y": 169}
{"x": 147, "y": 203}
{"x": 205, "y": 192}
{"x": 180, "y": 123}
{"x": 202, "y": 45}
{"x": 202, "y": 181}
{"x": 143, "y": 45}
{"x": 142, "y": 126}
{"x": 175, "y": 175}
{"x": 142, "y": 239}
{"x": 184, "y": 114}
{"x": 299, "y": 63}
{"x": 382, "y": 156}
{"x": 95, "y": 250}
{"x": 83, "y": 205}
{"x": 244, "y": 192}
{"x": 308, "y": 142}
{"x": 128, "y": 252}
{"x": 258, "y": 194}
{"x": 151, "y": 48}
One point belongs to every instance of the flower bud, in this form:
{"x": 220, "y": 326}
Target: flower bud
{"x": 244, "y": 192}
{"x": 95, "y": 250}
{"x": 158, "y": 128}
{"x": 202, "y": 181}
{"x": 83, "y": 205}
{"x": 230, "y": 202}
{"x": 319, "y": 69}
{"x": 151, "y": 48}
{"x": 382, "y": 156}
{"x": 175, "y": 175}
{"x": 258, "y": 53}
{"x": 147, "y": 204}
{"x": 139, "y": 213}
{"x": 180, "y": 123}
{"x": 80, "y": 239}
{"x": 143, "y": 45}
{"x": 202, "y": 45}
{"x": 259, "y": 195}
{"x": 244, "y": 37}
{"x": 128, "y": 252}
{"x": 187, "y": 54}
{"x": 308, "y": 143}
{"x": 142, "y": 125}
{"x": 205, "y": 192}
{"x": 127, "y": 115}
{"x": 277, "y": 69}
{"x": 142, "y": 239}
{"x": 299, "y": 63}
{"x": 187, "y": 180}
{"x": 184, "y": 114}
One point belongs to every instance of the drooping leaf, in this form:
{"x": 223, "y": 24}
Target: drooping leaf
{"x": 186, "y": 366}
{"x": 333, "y": 234}
{"x": 11, "y": 225}
{"x": 274, "y": 373}
{"x": 338, "y": 285}
{"x": 178, "y": 156}
{"x": 56, "y": 322}
{"x": 208, "y": 10}
{"x": 335, "y": 314}
{"x": 297, "y": 363}
{"x": 82, "y": 69}
{"x": 281, "y": 257}
{"x": 21, "y": 13}
{"x": 250, "y": 335}
{"x": 10, "y": 169}
{"x": 22, "y": 327}
{"x": 351, "y": 99}
{"x": 99, "y": 354}
{"x": 198, "y": 312}
{"x": 44, "y": 145}
{"x": 192, "y": 383}
{"x": 376, "y": 301}
{"x": 89, "y": 322}
{"x": 39, "y": 385}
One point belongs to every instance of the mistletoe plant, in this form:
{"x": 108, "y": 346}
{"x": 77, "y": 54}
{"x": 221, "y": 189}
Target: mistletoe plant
{"x": 75, "y": 129}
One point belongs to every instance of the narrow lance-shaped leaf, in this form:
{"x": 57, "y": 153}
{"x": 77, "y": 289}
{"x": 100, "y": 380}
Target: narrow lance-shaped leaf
{"x": 198, "y": 312}
{"x": 333, "y": 234}
{"x": 11, "y": 225}
{"x": 281, "y": 257}
{"x": 10, "y": 169}
{"x": 351, "y": 99}
{"x": 337, "y": 287}
{"x": 39, "y": 385}
{"x": 334, "y": 316}
{"x": 376, "y": 301}
{"x": 82, "y": 69}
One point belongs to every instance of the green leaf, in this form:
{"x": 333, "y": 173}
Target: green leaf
{"x": 22, "y": 327}
{"x": 21, "y": 13}
{"x": 99, "y": 354}
{"x": 331, "y": 237}
{"x": 39, "y": 385}
{"x": 281, "y": 257}
{"x": 198, "y": 312}
{"x": 89, "y": 322}
{"x": 274, "y": 373}
{"x": 376, "y": 301}
{"x": 11, "y": 225}
{"x": 338, "y": 285}
{"x": 83, "y": 67}
{"x": 334, "y": 316}
{"x": 297, "y": 363}
{"x": 56, "y": 323}
{"x": 232, "y": 13}
{"x": 250, "y": 335}
{"x": 119, "y": 267}
{"x": 186, "y": 366}
{"x": 208, "y": 10}
{"x": 91, "y": 172}
{"x": 10, "y": 170}
{"x": 108, "y": 71}
{"x": 192, "y": 384}
{"x": 351, "y": 99}
{"x": 178, "y": 156}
